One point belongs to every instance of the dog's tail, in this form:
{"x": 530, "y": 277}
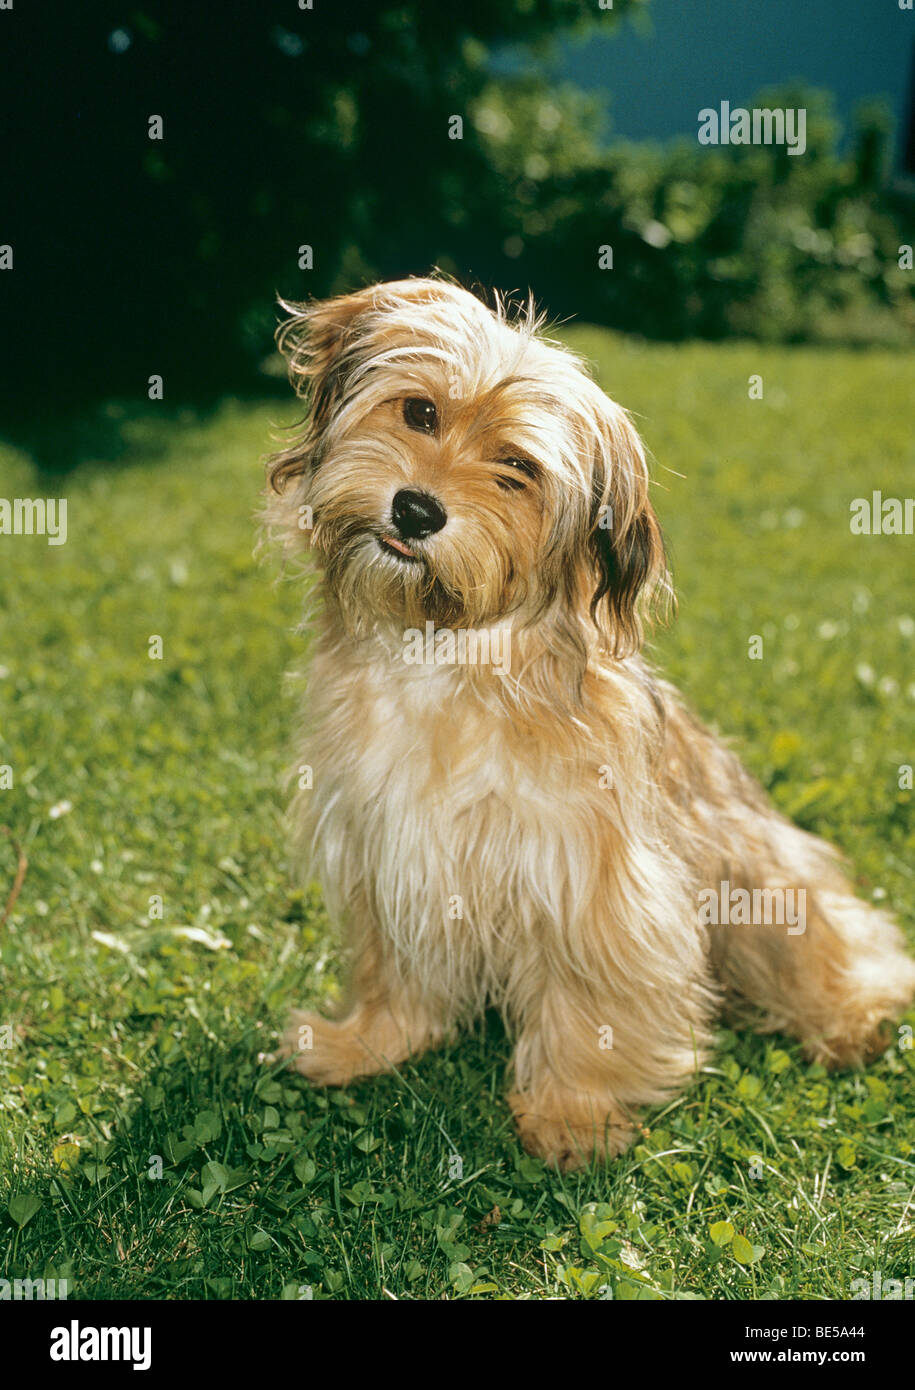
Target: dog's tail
{"x": 833, "y": 973}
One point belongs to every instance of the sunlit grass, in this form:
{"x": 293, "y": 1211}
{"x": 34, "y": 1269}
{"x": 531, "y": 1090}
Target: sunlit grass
{"x": 166, "y": 1161}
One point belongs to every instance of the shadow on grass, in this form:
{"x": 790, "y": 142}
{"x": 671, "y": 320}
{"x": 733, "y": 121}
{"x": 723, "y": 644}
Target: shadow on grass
{"x": 60, "y": 438}
{"x": 232, "y": 1179}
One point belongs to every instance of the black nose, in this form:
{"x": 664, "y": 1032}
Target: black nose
{"x": 416, "y": 514}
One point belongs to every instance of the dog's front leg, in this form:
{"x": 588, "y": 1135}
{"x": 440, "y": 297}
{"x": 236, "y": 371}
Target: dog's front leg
{"x": 591, "y": 1053}
{"x": 566, "y": 1107}
{"x": 381, "y": 1025}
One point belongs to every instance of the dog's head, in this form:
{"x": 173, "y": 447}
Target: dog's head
{"x": 459, "y": 467}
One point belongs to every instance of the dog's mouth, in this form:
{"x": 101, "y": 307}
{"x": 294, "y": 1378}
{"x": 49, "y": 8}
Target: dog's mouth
{"x": 391, "y": 545}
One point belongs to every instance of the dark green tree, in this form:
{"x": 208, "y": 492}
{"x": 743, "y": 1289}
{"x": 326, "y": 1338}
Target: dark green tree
{"x": 282, "y": 126}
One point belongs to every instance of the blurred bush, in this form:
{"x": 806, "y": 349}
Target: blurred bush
{"x": 706, "y": 242}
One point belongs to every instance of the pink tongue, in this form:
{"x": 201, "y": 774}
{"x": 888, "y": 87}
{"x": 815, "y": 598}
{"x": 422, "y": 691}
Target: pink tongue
{"x": 399, "y": 545}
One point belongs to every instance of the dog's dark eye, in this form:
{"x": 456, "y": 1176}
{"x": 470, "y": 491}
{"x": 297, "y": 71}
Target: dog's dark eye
{"x": 522, "y": 468}
{"x": 420, "y": 414}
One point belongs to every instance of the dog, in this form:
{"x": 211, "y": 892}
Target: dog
{"x": 537, "y": 835}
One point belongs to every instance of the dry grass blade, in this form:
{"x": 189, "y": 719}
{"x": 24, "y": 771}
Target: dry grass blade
{"x": 18, "y": 881}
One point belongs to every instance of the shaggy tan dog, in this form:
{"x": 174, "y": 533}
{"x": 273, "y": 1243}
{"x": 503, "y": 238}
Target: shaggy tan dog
{"x": 502, "y": 801}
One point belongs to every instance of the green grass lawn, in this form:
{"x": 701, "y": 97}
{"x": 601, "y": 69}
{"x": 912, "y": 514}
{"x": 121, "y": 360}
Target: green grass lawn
{"x": 144, "y": 1150}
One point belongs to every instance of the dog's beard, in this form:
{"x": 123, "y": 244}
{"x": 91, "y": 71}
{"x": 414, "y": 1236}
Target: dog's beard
{"x": 371, "y": 586}
{"x": 451, "y": 586}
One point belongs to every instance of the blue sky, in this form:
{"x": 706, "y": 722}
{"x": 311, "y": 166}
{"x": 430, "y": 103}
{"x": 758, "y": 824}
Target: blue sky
{"x": 682, "y": 55}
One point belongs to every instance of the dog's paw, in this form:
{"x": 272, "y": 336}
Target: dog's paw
{"x": 311, "y": 1045}
{"x": 569, "y": 1141}
{"x": 850, "y": 1050}
{"x": 334, "y": 1053}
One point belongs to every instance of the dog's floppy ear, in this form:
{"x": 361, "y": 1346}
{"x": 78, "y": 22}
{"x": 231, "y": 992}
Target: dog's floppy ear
{"x": 321, "y": 342}
{"x": 313, "y": 341}
{"x": 626, "y": 548}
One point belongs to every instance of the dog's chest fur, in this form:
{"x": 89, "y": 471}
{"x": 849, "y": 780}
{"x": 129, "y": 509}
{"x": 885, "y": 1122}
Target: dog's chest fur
{"x": 441, "y": 814}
